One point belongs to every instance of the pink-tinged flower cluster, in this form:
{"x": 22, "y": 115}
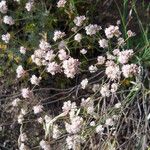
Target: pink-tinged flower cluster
{"x": 130, "y": 33}
{"x": 6, "y": 37}
{"x": 101, "y": 60}
{"x": 29, "y": 5}
{"x": 56, "y": 132}
{"x": 78, "y": 37}
{"x": 113, "y": 72}
{"x": 103, "y": 43}
{"x": 121, "y": 42}
{"x": 115, "y": 64}
{"x": 35, "y": 80}
{"x": 67, "y": 106}
{"x": 71, "y": 67}
{"x": 108, "y": 89}
{"x": 26, "y": 93}
{"x": 62, "y": 54}
{"x": 61, "y": 3}
{"x": 84, "y": 83}
{"x": 22, "y": 50}
{"x": 88, "y": 105}
{"x": 105, "y": 92}
{"x": 58, "y": 35}
{"x": 8, "y": 20}
{"x": 112, "y": 31}
{"x": 3, "y": 7}
{"x": 92, "y": 29}
{"x": 45, "y": 145}
{"x": 20, "y": 71}
{"x": 37, "y": 109}
{"x": 79, "y": 20}
{"x": 44, "y": 45}
{"x": 75, "y": 126}
{"x": 130, "y": 70}
{"x": 53, "y": 68}
{"x": 93, "y": 68}
{"x": 83, "y": 51}
{"x": 43, "y": 55}
{"x": 74, "y": 141}
{"x": 124, "y": 56}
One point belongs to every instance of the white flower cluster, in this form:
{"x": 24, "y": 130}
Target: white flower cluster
{"x": 23, "y": 137}
{"x": 83, "y": 51}
{"x": 71, "y": 67}
{"x": 43, "y": 55}
{"x": 44, "y": 45}
{"x": 121, "y": 42}
{"x": 61, "y": 3}
{"x": 23, "y": 112}
{"x": 6, "y": 37}
{"x": 35, "y": 80}
{"x": 88, "y": 105}
{"x": 3, "y": 7}
{"x": 124, "y": 56}
{"x": 99, "y": 129}
{"x": 130, "y": 70}
{"x": 84, "y": 83}
{"x": 67, "y": 106}
{"x": 112, "y": 31}
{"x": 103, "y": 43}
{"x": 29, "y": 5}
{"x": 8, "y": 20}
{"x": 23, "y": 147}
{"x": 45, "y": 145}
{"x": 20, "y": 71}
{"x": 130, "y": 33}
{"x": 22, "y": 50}
{"x": 95, "y": 87}
{"x": 79, "y": 20}
{"x": 78, "y": 37}
{"x": 93, "y": 68}
{"x": 75, "y": 126}
{"x": 53, "y": 68}
{"x": 101, "y": 60}
{"x": 113, "y": 72}
{"x": 26, "y": 93}
{"x": 91, "y": 29}
{"x": 58, "y": 35}
{"x": 16, "y": 102}
{"x": 37, "y": 109}
{"x": 62, "y": 54}
{"x": 56, "y": 132}
{"x": 73, "y": 141}
{"x": 105, "y": 92}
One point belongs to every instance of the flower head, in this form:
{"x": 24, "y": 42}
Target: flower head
{"x": 6, "y": 37}
{"x": 3, "y": 7}
{"x": 91, "y": 29}
{"x": 20, "y": 71}
{"x": 58, "y": 35}
{"x": 79, "y": 20}
{"x": 71, "y": 67}
{"x": 8, "y": 20}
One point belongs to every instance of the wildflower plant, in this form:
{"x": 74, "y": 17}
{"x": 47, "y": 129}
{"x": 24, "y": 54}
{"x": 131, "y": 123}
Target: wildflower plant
{"x": 72, "y": 62}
